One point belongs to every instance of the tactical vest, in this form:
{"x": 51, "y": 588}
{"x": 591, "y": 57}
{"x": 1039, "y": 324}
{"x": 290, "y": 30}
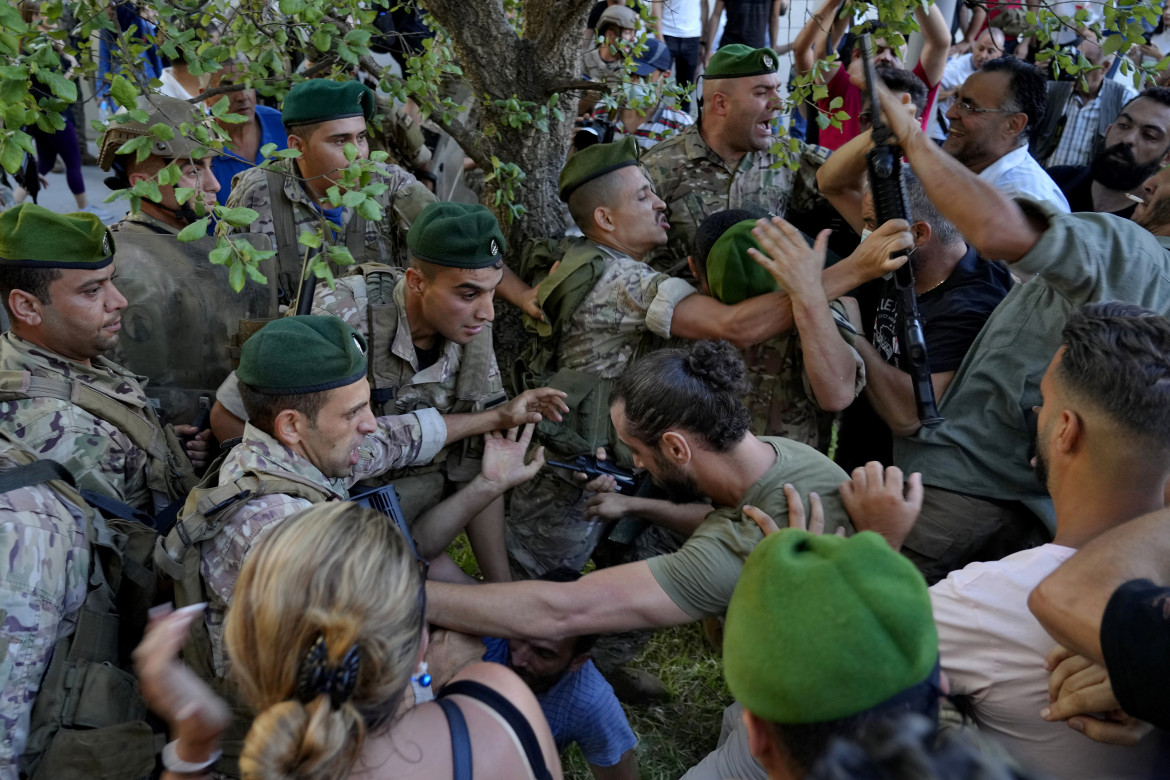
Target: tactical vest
{"x": 88, "y": 720}
{"x": 388, "y": 373}
{"x": 587, "y": 425}
{"x": 167, "y": 469}
{"x": 177, "y": 556}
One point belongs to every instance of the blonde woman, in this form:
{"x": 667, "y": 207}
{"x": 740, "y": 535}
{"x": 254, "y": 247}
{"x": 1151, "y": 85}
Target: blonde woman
{"x": 326, "y": 629}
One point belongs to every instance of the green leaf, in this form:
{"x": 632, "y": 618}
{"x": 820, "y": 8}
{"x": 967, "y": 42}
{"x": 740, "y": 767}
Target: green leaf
{"x": 350, "y": 152}
{"x": 147, "y": 189}
{"x": 822, "y": 120}
{"x": 238, "y": 217}
{"x": 236, "y": 277}
{"x": 169, "y": 175}
{"x": 311, "y": 240}
{"x": 195, "y": 231}
{"x": 352, "y": 198}
{"x": 162, "y": 132}
{"x": 836, "y": 103}
{"x": 58, "y": 85}
{"x": 368, "y": 210}
{"x": 379, "y": 156}
{"x": 322, "y": 39}
{"x": 339, "y": 255}
{"x": 123, "y": 92}
{"x": 290, "y": 7}
{"x": 19, "y": 72}
{"x": 11, "y": 155}
{"x": 183, "y": 194}
{"x": 267, "y": 149}
{"x": 222, "y": 252}
{"x": 286, "y": 154}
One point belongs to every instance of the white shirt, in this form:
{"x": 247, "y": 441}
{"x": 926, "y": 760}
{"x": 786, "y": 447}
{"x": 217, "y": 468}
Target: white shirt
{"x": 992, "y": 650}
{"x": 682, "y": 18}
{"x": 171, "y": 86}
{"x": 1018, "y": 175}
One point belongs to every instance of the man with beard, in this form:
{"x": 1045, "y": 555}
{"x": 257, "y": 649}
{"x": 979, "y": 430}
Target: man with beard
{"x": 680, "y": 412}
{"x": 578, "y": 703}
{"x": 61, "y": 398}
{"x": 1103, "y": 424}
{"x": 1137, "y": 144}
{"x": 993, "y": 116}
{"x": 981, "y": 500}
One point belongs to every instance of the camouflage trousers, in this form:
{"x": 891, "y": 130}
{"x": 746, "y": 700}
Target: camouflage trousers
{"x": 547, "y": 529}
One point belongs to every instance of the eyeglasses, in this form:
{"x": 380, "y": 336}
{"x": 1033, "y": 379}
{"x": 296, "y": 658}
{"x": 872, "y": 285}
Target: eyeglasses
{"x": 966, "y": 108}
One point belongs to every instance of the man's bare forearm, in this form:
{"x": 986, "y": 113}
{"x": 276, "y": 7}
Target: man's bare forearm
{"x": 829, "y": 361}
{"x": 891, "y": 391}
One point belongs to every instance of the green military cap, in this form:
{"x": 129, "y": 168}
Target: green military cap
{"x": 322, "y": 100}
{"x": 737, "y": 61}
{"x": 31, "y": 236}
{"x": 732, "y": 274}
{"x": 160, "y": 109}
{"x": 303, "y": 354}
{"x": 458, "y": 235}
{"x": 595, "y": 161}
{"x": 822, "y": 627}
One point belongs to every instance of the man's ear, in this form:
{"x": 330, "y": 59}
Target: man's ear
{"x": 921, "y": 232}
{"x": 1016, "y": 123}
{"x": 416, "y": 281}
{"x": 603, "y": 219}
{"x": 719, "y": 103}
{"x": 1070, "y": 432}
{"x": 675, "y": 447}
{"x": 26, "y": 308}
{"x": 289, "y": 426}
{"x": 702, "y": 278}
{"x": 296, "y": 142}
{"x": 760, "y": 740}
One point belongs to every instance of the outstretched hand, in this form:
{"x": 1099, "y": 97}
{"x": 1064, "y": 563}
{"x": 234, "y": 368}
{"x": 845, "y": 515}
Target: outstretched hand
{"x": 878, "y": 500}
{"x": 532, "y": 406}
{"x": 789, "y": 259}
{"x": 504, "y": 456}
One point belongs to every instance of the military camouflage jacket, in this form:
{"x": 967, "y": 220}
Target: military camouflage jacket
{"x": 143, "y": 223}
{"x": 385, "y": 241}
{"x": 399, "y": 441}
{"x": 781, "y": 400}
{"x": 696, "y": 182}
{"x": 45, "y": 581}
{"x": 629, "y": 298}
{"x": 597, "y": 69}
{"x": 433, "y": 386}
{"x": 101, "y": 457}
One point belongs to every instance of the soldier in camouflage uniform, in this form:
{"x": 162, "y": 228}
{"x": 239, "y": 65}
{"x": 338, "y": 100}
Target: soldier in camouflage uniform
{"x": 182, "y": 317}
{"x": 43, "y": 539}
{"x": 430, "y": 334}
{"x": 63, "y": 400}
{"x": 785, "y": 399}
{"x": 724, "y": 161}
{"x": 311, "y": 429}
{"x": 603, "y": 307}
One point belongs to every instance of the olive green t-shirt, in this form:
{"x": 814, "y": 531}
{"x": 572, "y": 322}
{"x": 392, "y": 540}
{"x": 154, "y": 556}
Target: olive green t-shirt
{"x": 701, "y": 575}
{"x": 983, "y": 445}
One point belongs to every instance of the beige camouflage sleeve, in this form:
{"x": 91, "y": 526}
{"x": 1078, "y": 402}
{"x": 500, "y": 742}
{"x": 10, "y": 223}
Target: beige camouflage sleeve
{"x": 401, "y": 440}
{"x": 250, "y": 190}
{"x": 45, "y": 582}
{"x": 347, "y": 300}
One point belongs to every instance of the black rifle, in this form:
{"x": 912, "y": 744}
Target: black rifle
{"x": 884, "y": 165}
{"x": 627, "y": 482}
{"x": 385, "y": 500}
{"x": 305, "y": 296}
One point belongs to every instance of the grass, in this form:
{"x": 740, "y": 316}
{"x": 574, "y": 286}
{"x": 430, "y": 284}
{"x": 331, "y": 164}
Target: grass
{"x": 674, "y": 736}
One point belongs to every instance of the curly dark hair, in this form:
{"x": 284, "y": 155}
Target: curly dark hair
{"x": 699, "y": 390}
{"x": 1028, "y": 87}
{"x": 1157, "y": 94}
{"x": 1117, "y": 359}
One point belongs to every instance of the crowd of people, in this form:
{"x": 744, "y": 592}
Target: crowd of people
{"x": 226, "y": 522}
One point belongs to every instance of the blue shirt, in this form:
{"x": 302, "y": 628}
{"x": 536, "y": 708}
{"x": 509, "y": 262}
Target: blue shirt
{"x": 228, "y": 164}
{"x": 580, "y": 708}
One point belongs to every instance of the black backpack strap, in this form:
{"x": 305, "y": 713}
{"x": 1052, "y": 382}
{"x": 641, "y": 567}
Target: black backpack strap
{"x": 506, "y": 710}
{"x": 112, "y": 507}
{"x": 34, "y": 474}
{"x": 460, "y": 741}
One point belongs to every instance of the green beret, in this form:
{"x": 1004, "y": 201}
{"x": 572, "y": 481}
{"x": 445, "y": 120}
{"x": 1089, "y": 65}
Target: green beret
{"x": 31, "y": 236}
{"x": 594, "y": 161}
{"x": 458, "y": 235}
{"x": 322, "y": 100}
{"x": 732, "y": 274}
{"x": 737, "y": 61}
{"x": 302, "y": 354}
{"x": 821, "y": 627}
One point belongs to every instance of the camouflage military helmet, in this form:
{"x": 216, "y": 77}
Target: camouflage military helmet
{"x": 160, "y": 109}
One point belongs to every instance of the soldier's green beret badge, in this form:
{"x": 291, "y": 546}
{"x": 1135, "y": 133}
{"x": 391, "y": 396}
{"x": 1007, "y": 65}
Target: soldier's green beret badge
{"x": 457, "y": 235}
{"x": 31, "y": 236}
{"x": 738, "y": 61}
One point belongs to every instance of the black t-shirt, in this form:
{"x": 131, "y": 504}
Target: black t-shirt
{"x": 1135, "y": 640}
{"x": 952, "y": 315}
{"x": 1076, "y": 182}
{"x": 747, "y": 23}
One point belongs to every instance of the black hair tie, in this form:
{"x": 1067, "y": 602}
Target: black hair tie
{"x": 317, "y": 677}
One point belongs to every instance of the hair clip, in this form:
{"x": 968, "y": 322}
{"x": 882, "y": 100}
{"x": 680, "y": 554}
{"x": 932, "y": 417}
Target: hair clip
{"x": 317, "y": 677}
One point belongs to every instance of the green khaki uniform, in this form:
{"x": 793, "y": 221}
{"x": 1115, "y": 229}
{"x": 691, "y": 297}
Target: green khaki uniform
{"x": 73, "y": 601}
{"x": 696, "y": 182}
{"x": 286, "y": 210}
{"x": 626, "y": 311}
{"x": 94, "y": 420}
{"x": 181, "y": 327}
